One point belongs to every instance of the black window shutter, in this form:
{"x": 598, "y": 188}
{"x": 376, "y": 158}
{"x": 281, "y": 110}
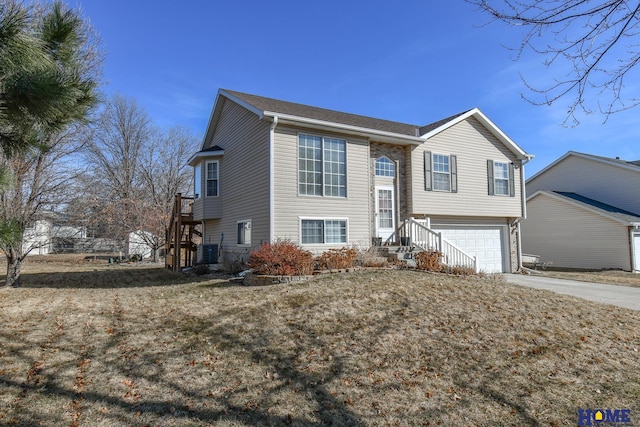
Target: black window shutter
{"x": 453, "y": 164}
{"x": 490, "y": 177}
{"x": 512, "y": 187}
{"x": 427, "y": 171}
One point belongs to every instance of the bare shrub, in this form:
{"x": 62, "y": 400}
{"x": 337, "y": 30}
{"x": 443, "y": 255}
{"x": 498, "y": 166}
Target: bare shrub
{"x": 371, "y": 258}
{"x": 200, "y": 269}
{"x": 429, "y": 260}
{"x": 281, "y": 258}
{"x": 458, "y": 270}
{"x": 233, "y": 263}
{"x": 334, "y": 259}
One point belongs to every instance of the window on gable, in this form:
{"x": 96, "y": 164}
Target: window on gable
{"x": 320, "y": 231}
{"x": 385, "y": 167}
{"x": 244, "y": 232}
{"x": 322, "y": 169}
{"x": 197, "y": 180}
{"x": 212, "y": 178}
{"x": 500, "y": 177}
{"x": 440, "y": 172}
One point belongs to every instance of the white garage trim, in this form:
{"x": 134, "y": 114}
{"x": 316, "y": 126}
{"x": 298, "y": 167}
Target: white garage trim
{"x": 486, "y": 242}
{"x": 635, "y": 251}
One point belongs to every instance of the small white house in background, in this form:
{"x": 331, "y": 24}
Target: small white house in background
{"x": 583, "y": 211}
{"x": 37, "y": 239}
{"x": 138, "y": 245}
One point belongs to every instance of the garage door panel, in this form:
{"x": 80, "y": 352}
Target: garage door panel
{"x": 485, "y": 243}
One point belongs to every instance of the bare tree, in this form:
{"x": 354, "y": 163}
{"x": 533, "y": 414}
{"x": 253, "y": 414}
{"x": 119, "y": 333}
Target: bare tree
{"x": 41, "y": 180}
{"x": 592, "y": 44}
{"x": 164, "y": 172}
{"x": 114, "y": 153}
{"x": 136, "y": 171}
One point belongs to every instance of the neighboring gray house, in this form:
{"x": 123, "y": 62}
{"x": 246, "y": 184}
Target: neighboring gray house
{"x": 583, "y": 211}
{"x": 272, "y": 169}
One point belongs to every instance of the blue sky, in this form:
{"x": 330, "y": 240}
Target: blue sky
{"x": 408, "y": 61}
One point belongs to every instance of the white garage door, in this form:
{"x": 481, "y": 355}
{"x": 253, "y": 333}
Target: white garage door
{"x": 636, "y": 252}
{"x": 485, "y": 243}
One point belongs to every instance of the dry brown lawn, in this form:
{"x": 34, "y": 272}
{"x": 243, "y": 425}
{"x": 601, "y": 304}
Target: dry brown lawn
{"x": 612, "y": 277}
{"x": 86, "y": 344}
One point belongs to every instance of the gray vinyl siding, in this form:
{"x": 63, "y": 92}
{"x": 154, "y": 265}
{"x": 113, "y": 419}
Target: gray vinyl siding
{"x": 570, "y": 236}
{"x": 244, "y": 179}
{"x": 473, "y": 145}
{"x": 603, "y": 182}
{"x": 290, "y": 207}
{"x": 208, "y": 207}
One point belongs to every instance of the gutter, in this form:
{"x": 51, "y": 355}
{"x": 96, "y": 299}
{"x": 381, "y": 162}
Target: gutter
{"x": 382, "y": 136}
{"x": 272, "y": 131}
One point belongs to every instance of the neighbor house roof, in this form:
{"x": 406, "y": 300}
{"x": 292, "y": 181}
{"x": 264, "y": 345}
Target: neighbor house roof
{"x": 380, "y": 129}
{"x": 625, "y": 164}
{"x": 592, "y": 205}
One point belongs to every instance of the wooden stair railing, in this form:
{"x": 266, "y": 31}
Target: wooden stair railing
{"x": 180, "y": 248}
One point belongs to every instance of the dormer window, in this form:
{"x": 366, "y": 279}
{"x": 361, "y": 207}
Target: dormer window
{"x": 385, "y": 167}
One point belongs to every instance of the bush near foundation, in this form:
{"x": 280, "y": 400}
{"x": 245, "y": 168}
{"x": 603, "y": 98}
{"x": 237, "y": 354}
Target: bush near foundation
{"x": 336, "y": 259}
{"x": 429, "y": 260}
{"x": 371, "y": 258}
{"x": 281, "y": 258}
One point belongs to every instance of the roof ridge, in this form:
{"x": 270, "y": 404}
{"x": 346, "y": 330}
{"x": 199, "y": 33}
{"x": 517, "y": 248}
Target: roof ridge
{"x": 294, "y": 108}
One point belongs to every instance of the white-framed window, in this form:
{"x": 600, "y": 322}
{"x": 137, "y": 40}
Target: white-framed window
{"x": 385, "y": 167}
{"x": 212, "y": 175}
{"x": 500, "y": 178}
{"x": 197, "y": 180}
{"x": 322, "y": 166}
{"x": 244, "y": 232}
{"x": 323, "y": 231}
{"x": 440, "y": 172}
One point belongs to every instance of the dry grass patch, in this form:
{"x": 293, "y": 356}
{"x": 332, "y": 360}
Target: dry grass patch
{"x": 356, "y": 349}
{"x": 612, "y": 277}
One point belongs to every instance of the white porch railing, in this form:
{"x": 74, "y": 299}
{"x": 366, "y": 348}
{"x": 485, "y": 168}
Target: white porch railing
{"x": 414, "y": 233}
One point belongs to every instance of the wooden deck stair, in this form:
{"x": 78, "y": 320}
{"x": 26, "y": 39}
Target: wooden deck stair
{"x": 181, "y": 247}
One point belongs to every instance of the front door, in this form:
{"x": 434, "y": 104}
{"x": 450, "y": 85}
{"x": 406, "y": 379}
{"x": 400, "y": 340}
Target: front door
{"x": 385, "y": 211}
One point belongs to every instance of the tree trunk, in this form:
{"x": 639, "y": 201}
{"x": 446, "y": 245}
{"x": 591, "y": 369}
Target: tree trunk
{"x": 14, "y": 266}
{"x": 154, "y": 254}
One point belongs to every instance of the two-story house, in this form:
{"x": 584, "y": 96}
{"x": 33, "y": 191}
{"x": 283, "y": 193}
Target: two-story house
{"x": 270, "y": 169}
{"x": 584, "y": 212}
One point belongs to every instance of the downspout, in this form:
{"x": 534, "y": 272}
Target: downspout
{"x": 397, "y": 178}
{"x": 523, "y": 191}
{"x": 272, "y": 132}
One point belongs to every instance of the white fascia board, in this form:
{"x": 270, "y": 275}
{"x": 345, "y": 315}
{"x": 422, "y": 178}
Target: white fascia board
{"x": 580, "y": 205}
{"x": 389, "y": 137}
{"x": 587, "y": 157}
{"x": 201, "y": 154}
{"x": 543, "y": 170}
{"x": 604, "y": 160}
{"x": 215, "y": 111}
{"x": 242, "y": 103}
{"x": 495, "y": 130}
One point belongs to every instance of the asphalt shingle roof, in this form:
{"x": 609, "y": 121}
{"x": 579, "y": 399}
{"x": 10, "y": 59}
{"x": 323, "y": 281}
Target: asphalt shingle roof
{"x": 611, "y": 210}
{"x": 317, "y": 113}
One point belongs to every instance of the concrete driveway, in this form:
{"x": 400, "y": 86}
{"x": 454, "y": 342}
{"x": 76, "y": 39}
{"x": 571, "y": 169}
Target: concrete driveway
{"x": 622, "y": 296}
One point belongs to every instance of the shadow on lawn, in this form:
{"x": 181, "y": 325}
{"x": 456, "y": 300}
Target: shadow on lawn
{"x": 109, "y": 278}
{"x": 230, "y": 406}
